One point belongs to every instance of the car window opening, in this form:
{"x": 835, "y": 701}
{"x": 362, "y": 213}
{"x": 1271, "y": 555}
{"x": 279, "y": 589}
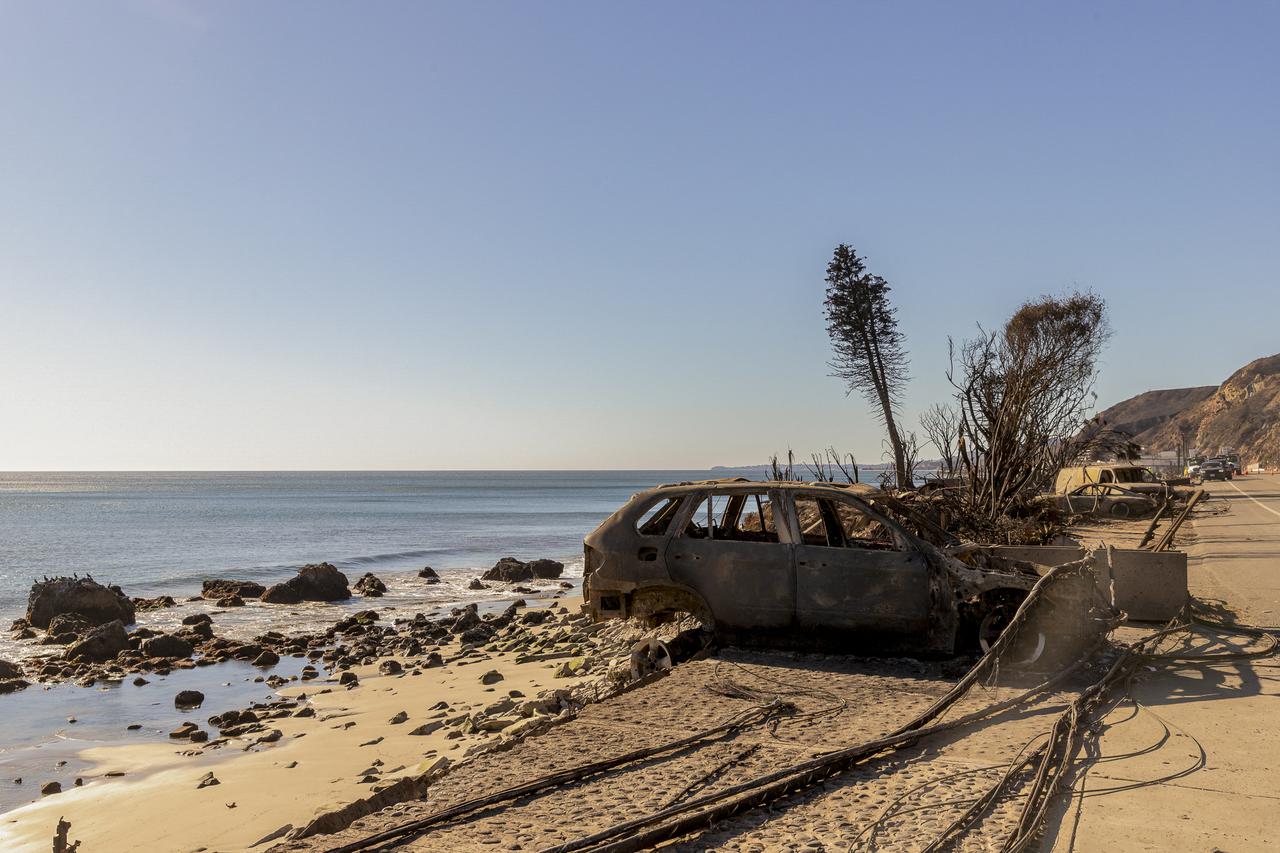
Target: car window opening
{"x": 862, "y": 531}
{"x": 746, "y": 517}
{"x": 657, "y": 519}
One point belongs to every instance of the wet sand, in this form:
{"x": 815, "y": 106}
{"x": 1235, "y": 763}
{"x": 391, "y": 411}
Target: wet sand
{"x": 358, "y": 741}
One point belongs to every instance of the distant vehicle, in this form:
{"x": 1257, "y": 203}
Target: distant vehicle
{"x": 1215, "y": 469}
{"x": 1233, "y": 459}
{"x": 1133, "y": 477}
{"x": 1102, "y": 499}
{"x": 1193, "y": 465}
{"x": 751, "y": 559}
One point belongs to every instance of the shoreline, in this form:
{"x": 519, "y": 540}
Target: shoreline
{"x": 131, "y": 707}
{"x": 404, "y": 590}
{"x": 383, "y": 725}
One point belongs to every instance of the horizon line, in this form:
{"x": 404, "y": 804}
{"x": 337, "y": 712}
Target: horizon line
{"x": 328, "y": 470}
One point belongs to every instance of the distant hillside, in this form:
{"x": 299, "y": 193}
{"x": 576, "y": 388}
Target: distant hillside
{"x": 1243, "y": 413}
{"x": 1153, "y": 408}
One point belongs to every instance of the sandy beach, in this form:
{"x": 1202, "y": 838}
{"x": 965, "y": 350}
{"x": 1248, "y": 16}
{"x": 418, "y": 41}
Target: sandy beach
{"x": 336, "y": 745}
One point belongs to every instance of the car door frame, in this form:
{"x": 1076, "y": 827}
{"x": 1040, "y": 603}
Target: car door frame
{"x": 858, "y": 590}
{"x": 748, "y": 586}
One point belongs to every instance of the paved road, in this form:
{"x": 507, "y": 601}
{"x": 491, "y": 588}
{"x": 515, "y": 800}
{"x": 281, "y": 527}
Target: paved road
{"x": 1193, "y": 766}
{"x": 1236, "y": 557}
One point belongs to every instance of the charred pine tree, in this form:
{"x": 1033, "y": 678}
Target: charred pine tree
{"x": 868, "y": 348}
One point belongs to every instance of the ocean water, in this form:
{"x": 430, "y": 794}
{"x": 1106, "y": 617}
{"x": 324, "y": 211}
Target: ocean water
{"x": 163, "y": 533}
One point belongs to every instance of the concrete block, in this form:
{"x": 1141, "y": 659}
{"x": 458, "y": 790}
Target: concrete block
{"x": 1149, "y": 586}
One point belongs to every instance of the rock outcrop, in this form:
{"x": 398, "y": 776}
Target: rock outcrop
{"x": 370, "y": 586}
{"x": 188, "y": 699}
{"x": 511, "y": 570}
{"x": 68, "y": 623}
{"x": 166, "y": 646}
{"x": 1243, "y": 414}
{"x": 101, "y": 644}
{"x": 316, "y": 582}
{"x": 1151, "y": 409}
{"x": 219, "y": 588}
{"x": 158, "y": 603}
{"x": 85, "y": 597}
{"x": 12, "y": 685}
{"x": 11, "y": 679}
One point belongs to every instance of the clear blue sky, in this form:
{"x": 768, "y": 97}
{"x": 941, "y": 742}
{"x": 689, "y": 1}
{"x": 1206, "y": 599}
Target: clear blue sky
{"x": 593, "y": 235}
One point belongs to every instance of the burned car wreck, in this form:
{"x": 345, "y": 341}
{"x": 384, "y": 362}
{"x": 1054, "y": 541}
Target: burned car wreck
{"x": 786, "y": 561}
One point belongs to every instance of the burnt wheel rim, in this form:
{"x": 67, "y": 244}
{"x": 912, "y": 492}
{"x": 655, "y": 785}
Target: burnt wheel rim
{"x": 1025, "y": 649}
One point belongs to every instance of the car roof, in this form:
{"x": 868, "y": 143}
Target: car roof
{"x": 730, "y": 485}
{"x": 1111, "y": 487}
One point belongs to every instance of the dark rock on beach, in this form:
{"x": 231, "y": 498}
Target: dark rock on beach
{"x": 369, "y": 585}
{"x": 188, "y": 699}
{"x": 482, "y": 633}
{"x": 166, "y": 646}
{"x": 230, "y": 719}
{"x": 316, "y": 582}
{"x": 85, "y": 597}
{"x": 536, "y": 617}
{"x": 429, "y": 574}
{"x": 153, "y": 603}
{"x": 68, "y": 623}
{"x": 546, "y": 569}
{"x": 198, "y": 632}
{"x": 511, "y": 570}
{"x": 101, "y": 644}
{"x": 468, "y": 617}
{"x": 231, "y": 601}
{"x": 218, "y": 588}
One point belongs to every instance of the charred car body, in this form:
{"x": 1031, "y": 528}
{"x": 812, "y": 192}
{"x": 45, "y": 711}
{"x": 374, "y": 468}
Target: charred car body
{"x": 1102, "y": 499}
{"x": 757, "y": 560}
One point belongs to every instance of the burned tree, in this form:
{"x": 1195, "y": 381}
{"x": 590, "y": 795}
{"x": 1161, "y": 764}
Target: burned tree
{"x": 869, "y": 354}
{"x": 1023, "y": 395}
{"x": 826, "y": 467}
{"x": 942, "y": 426}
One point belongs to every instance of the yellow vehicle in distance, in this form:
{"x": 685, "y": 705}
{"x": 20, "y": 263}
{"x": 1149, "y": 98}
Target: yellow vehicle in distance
{"x": 1132, "y": 477}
